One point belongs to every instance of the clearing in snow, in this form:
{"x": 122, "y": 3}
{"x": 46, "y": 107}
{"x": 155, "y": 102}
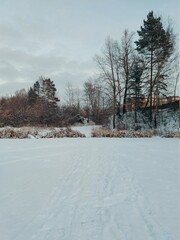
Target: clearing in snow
{"x": 89, "y": 189}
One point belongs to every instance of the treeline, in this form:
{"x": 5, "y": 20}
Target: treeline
{"x": 33, "y": 107}
{"x": 40, "y": 106}
{"x": 131, "y": 73}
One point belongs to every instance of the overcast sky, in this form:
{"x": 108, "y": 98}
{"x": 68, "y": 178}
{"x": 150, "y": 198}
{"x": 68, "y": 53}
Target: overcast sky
{"x": 58, "y": 38}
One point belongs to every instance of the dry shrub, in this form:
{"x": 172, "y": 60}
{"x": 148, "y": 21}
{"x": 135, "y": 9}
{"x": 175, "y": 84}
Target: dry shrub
{"x": 22, "y": 133}
{"x": 171, "y": 135}
{"x": 103, "y": 132}
{"x": 13, "y": 133}
{"x": 64, "y": 133}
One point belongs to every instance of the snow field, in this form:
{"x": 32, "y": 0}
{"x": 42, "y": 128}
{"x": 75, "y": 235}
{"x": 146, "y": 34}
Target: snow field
{"x": 82, "y": 189}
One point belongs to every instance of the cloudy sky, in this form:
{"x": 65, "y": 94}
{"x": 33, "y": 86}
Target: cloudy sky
{"x": 58, "y": 38}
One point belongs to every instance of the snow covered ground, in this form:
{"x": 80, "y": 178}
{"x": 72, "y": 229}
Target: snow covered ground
{"x": 86, "y": 130}
{"x": 89, "y": 189}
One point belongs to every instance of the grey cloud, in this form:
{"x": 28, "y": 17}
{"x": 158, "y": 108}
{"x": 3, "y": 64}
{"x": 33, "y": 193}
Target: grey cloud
{"x": 9, "y": 36}
{"x": 11, "y": 87}
{"x": 58, "y": 38}
{"x": 8, "y": 71}
{"x": 20, "y": 66}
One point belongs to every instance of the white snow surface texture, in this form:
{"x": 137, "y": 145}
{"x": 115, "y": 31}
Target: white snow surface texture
{"x": 89, "y": 189}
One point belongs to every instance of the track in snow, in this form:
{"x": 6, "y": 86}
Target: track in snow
{"x": 89, "y": 189}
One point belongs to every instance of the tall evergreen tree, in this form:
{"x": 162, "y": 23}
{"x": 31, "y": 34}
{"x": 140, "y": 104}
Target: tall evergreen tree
{"x": 36, "y": 88}
{"x": 43, "y": 96}
{"x": 156, "y": 45}
{"x": 33, "y": 93}
{"x": 48, "y": 96}
{"x": 32, "y": 96}
{"x": 136, "y": 85}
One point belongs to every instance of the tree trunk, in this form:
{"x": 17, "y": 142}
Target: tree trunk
{"x": 135, "y": 106}
{"x": 157, "y": 97}
{"x": 114, "y": 107}
{"x": 125, "y": 99}
{"x": 151, "y": 86}
{"x": 175, "y": 87}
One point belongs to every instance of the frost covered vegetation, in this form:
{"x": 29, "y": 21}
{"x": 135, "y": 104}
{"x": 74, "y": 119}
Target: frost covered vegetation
{"x": 135, "y": 87}
{"x": 101, "y": 132}
{"x": 168, "y": 122}
{"x": 22, "y": 133}
{"x": 78, "y": 132}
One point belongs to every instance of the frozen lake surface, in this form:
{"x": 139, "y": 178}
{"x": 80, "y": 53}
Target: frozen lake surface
{"x": 89, "y": 189}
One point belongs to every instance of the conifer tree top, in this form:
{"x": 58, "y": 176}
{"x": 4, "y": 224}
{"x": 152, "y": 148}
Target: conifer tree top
{"x": 151, "y": 34}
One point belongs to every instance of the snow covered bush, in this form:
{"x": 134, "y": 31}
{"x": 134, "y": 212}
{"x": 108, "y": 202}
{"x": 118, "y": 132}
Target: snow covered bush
{"x": 167, "y": 122}
{"x": 25, "y": 132}
{"x": 104, "y": 132}
{"x": 171, "y": 135}
{"x": 13, "y": 133}
{"x": 68, "y": 132}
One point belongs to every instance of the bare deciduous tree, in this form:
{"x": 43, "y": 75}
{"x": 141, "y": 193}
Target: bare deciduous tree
{"x": 108, "y": 63}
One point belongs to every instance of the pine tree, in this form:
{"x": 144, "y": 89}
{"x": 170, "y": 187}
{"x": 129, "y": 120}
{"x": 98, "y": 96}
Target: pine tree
{"x": 32, "y": 96}
{"x": 33, "y": 93}
{"x": 42, "y": 96}
{"x": 136, "y": 85}
{"x": 156, "y": 45}
{"x": 48, "y": 95}
{"x": 36, "y": 88}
